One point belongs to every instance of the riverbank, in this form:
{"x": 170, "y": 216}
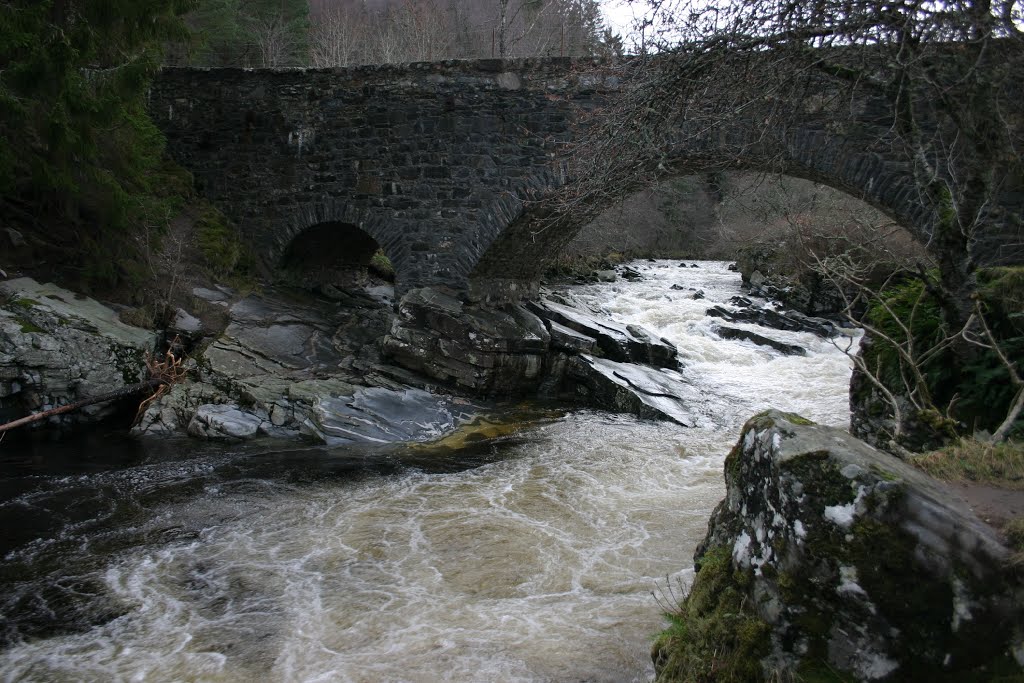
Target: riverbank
{"x": 528, "y": 556}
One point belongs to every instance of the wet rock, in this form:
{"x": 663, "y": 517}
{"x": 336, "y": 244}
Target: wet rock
{"x": 626, "y": 387}
{"x": 698, "y": 295}
{"x": 570, "y": 340}
{"x": 224, "y": 422}
{"x": 174, "y": 410}
{"x": 377, "y": 415}
{"x": 57, "y": 347}
{"x": 747, "y": 335}
{"x": 631, "y": 274}
{"x": 694, "y": 265}
{"x": 856, "y": 563}
{"x": 766, "y": 317}
{"x": 483, "y": 350}
{"x": 282, "y": 352}
{"x": 616, "y": 342}
{"x": 186, "y": 326}
{"x": 606, "y": 275}
{"x": 732, "y": 268}
{"x": 678, "y": 288}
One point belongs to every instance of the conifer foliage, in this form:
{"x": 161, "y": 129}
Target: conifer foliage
{"x": 80, "y": 160}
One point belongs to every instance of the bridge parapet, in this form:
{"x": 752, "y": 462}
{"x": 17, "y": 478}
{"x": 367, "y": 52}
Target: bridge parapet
{"x": 454, "y": 167}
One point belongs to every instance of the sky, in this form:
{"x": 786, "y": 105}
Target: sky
{"x": 619, "y": 15}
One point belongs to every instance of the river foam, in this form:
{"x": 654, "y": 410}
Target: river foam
{"x": 544, "y": 563}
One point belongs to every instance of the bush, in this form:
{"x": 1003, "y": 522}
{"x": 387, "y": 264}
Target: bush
{"x": 968, "y": 382}
{"x": 381, "y": 265}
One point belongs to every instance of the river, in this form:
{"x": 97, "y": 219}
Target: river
{"x": 543, "y": 553}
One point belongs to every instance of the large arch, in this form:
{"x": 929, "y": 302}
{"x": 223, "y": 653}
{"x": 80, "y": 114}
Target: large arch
{"x": 517, "y": 258}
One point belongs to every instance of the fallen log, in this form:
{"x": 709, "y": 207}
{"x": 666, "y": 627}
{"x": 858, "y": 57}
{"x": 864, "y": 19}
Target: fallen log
{"x": 123, "y": 392}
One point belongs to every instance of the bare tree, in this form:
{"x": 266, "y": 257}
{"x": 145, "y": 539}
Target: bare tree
{"x": 336, "y": 37}
{"x": 272, "y": 39}
{"x": 932, "y": 88}
{"x": 735, "y": 78}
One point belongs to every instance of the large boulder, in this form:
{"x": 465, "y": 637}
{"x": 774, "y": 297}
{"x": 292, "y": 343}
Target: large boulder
{"x": 831, "y": 560}
{"x": 57, "y": 347}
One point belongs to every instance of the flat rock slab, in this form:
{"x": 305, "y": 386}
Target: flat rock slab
{"x": 79, "y": 311}
{"x": 376, "y": 415}
{"x": 224, "y": 422}
{"x": 645, "y": 391}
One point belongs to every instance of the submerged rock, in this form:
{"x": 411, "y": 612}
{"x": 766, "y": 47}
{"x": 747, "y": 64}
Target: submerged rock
{"x": 747, "y": 335}
{"x": 832, "y": 556}
{"x": 57, "y": 347}
{"x": 766, "y": 317}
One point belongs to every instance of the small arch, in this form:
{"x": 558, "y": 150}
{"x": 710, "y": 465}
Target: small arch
{"x": 334, "y": 253}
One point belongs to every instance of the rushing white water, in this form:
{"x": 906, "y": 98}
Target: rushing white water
{"x": 537, "y": 565}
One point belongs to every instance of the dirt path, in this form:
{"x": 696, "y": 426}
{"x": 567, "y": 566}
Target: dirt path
{"x": 991, "y": 504}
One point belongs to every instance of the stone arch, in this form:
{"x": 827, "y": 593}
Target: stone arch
{"x": 334, "y": 231}
{"x": 534, "y": 233}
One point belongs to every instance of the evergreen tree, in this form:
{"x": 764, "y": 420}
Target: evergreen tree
{"x": 76, "y": 147}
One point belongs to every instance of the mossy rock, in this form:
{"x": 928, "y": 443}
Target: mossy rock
{"x": 714, "y": 634}
{"x": 861, "y": 567}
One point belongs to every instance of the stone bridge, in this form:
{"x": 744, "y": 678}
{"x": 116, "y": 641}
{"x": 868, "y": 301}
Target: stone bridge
{"x": 440, "y": 163}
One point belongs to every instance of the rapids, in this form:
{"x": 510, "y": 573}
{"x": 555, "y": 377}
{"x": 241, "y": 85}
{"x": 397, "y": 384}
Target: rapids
{"x": 545, "y": 552}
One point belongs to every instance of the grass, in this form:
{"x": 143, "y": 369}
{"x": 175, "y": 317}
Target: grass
{"x": 713, "y": 634}
{"x": 977, "y": 461}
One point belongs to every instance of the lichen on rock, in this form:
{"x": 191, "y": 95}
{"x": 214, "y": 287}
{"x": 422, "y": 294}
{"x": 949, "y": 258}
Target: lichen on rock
{"x": 57, "y": 347}
{"x": 861, "y": 567}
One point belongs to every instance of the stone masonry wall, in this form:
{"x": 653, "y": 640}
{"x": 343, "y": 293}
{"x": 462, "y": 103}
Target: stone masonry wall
{"x": 454, "y": 167}
{"x": 432, "y": 160}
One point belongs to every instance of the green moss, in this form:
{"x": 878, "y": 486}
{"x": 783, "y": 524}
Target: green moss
{"x": 733, "y": 462}
{"x": 821, "y": 477}
{"x": 27, "y": 326}
{"x": 714, "y": 635}
{"x": 884, "y": 474}
{"x": 1014, "y": 531}
{"x": 129, "y": 362}
{"x": 381, "y": 265}
{"x": 221, "y": 245}
{"x": 763, "y": 419}
{"x": 24, "y": 303}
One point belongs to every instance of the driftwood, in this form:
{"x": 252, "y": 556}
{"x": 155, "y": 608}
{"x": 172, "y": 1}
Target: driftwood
{"x": 123, "y": 392}
{"x": 162, "y": 374}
